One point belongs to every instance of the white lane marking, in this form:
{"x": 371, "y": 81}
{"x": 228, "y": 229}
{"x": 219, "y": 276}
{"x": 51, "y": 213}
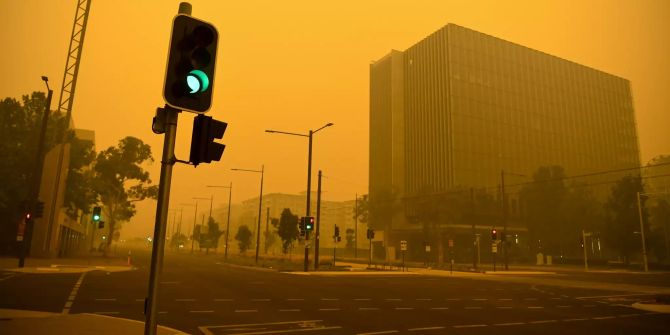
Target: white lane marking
{"x": 424, "y": 328}
{"x": 246, "y": 310}
{"x": 260, "y": 299}
{"x": 201, "y": 311}
{"x": 469, "y": 326}
{"x": 576, "y": 319}
{"x": 362, "y": 299}
{"x": 404, "y": 308}
{"x": 184, "y": 300}
{"x": 393, "y": 299}
{"x": 603, "y": 318}
{"x": 105, "y": 299}
{"x": 368, "y": 309}
{"x": 509, "y": 324}
{"x": 223, "y": 299}
{"x": 423, "y": 299}
{"x": 7, "y": 276}
{"x": 106, "y": 312}
{"x": 542, "y": 321}
{"x": 73, "y": 294}
{"x": 381, "y": 332}
{"x": 329, "y": 309}
{"x": 290, "y": 310}
{"x": 330, "y": 299}
{"x": 535, "y": 307}
{"x": 473, "y": 307}
{"x": 439, "y": 308}
{"x": 504, "y": 307}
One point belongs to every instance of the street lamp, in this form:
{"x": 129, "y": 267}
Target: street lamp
{"x": 230, "y": 193}
{"x": 309, "y": 180}
{"x": 504, "y": 210}
{"x": 260, "y": 203}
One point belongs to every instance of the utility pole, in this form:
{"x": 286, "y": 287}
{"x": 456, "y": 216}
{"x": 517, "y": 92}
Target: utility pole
{"x": 356, "y": 227}
{"x": 230, "y": 195}
{"x": 318, "y": 224}
{"x": 195, "y": 219}
{"x": 644, "y": 245}
{"x": 586, "y": 262}
{"x": 267, "y": 228}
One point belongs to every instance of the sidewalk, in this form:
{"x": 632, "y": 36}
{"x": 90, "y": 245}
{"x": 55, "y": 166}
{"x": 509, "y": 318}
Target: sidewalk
{"x": 32, "y": 322}
{"x": 67, "y": 265}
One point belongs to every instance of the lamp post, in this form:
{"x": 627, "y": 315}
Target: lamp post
{"x": 230, "y": 194}
{"x": 644, "y": 245}
{"x": 504, "y": 213}
{"x": 260, "y": 203}
{"x": 309, "y": 135}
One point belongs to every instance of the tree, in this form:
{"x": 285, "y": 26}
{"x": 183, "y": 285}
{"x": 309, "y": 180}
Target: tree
{"x": 270, "y": 235}
{"x": 20, "y": 124}
{"x": 79, "y": 192}
{"x": 362, "y": 209}
{"x": 243, "y": 238}
{"x": 622, "y": 217}
{"x": 177, "y": 240}
{"x": 287, "y": 229}
{"x": 120, "y": 181}
{"x": 349, "y": 236}
{"x": 659, "y": 225}
{"x": 210, "y": 239}
{"x": 543, "y": 199}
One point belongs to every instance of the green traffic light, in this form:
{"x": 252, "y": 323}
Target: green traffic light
{"x": 96, "y": 217}
{"x": 197, "y": 81}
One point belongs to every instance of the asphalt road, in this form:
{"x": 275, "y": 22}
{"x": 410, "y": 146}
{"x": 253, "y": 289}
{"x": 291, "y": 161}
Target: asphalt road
{"x": 201, "y": 295}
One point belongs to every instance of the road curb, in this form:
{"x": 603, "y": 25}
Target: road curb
{"x": 658, "y": 308}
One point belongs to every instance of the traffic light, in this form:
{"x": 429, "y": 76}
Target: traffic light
{"x": 301, "y": 226}
{"x": 337, "y": 231}
{"x": 101, "y": 224}
{"x": 309, "y": 223}
{"x": 370, "y": 234}
{"x": 97, "y": 214}
{"x": 189, "y": 76}
{"x": 494, "y": 234}
{"x": 203, "y": 147}
{"x": 28, "y": 216}
{"x": 39, "y": 209}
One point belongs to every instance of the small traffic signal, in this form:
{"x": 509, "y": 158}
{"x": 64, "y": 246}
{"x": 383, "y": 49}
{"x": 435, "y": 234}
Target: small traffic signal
{"x": 337, "y": 231}
{"x": 28, "y": 216}
{"x": 101, "y": 224}
{"x": 203, "y": 147}
{"x": 97, "y": 213}
{"x": 189, "y": 76}
{"x": 39, "y": 209}
{"x": 370, "y": 234}
{"x": 494, "y": 234}
{"x": 301, "y": 226}
{"x": 309, "y": 223}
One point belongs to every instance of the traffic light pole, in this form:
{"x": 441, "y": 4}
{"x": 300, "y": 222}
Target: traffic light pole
{"x": 309, "y": 193}
{"x": 318, "y": 224}
{"x": 36, "y": 179}
{"x": 163, "y": 201}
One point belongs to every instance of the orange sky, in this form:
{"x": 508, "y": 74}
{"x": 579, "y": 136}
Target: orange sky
{"x": 295, "y": 65}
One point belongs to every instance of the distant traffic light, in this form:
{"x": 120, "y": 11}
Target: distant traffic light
{"x": 370, "y": 234}
{"x": 494, "y": 234}
{"x": 39, "y": 209}
{"x": 189, "y": 76}
{"x": 301, "y": 226}
{"x": 28, "y": 216}
{"x": 101, "y": 224}
{"x": 203, "y": 147}
{"x": 309, "y": 223}
{"x": 337, "y": 231}
{"x": 97, "y": 214}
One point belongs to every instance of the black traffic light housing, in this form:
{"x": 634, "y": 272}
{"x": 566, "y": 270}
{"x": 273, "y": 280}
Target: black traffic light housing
{"x": 370, "y": 234}
{"x": 309, "y": 223}
{"x": 203, "y": 147}
{"x": 97, "y": 214}
{"x": 101, "y": 224}
{"x": 301, "y": 226}
{"x": 494, "y": 234}
{"x": 337, "y": 231}
{"x": 189, "y": 76}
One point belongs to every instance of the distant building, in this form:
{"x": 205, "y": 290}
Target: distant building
{"x": 458, "y": 107}
{"x": 56, "y": 234}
